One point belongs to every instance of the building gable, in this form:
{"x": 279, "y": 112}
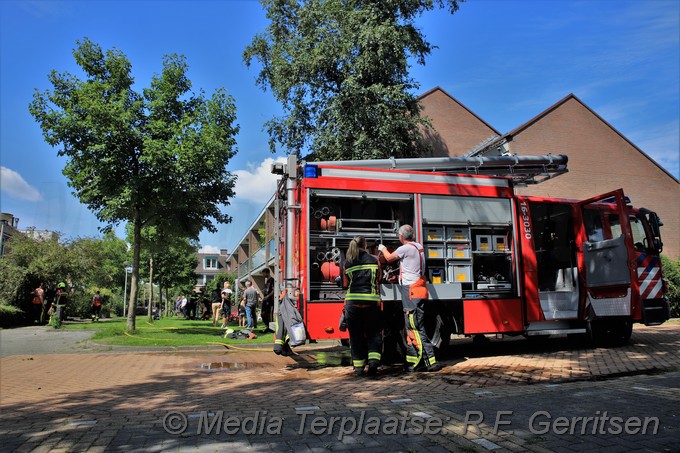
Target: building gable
{"x": 455, "y": 128}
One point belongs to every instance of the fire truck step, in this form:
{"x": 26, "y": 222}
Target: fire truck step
{"x": 555, "y": 332}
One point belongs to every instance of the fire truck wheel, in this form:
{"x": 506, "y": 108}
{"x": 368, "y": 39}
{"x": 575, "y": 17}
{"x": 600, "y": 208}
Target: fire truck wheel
{"x": 609, "y": 333}
{"x": 344, "y": 342}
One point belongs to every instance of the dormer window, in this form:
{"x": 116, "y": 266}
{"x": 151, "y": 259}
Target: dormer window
{"x": 210, "y": 262}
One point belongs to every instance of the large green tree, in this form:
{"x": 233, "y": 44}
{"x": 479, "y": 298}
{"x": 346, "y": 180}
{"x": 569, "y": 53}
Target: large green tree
{"x": 147, "y": 158}
{"x": 340, "y": 70}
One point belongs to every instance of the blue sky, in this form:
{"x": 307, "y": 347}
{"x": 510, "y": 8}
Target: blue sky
{"x": 505, "y": 60}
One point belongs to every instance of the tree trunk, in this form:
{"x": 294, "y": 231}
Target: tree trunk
{"x": 160, "y": 299}
{"x": 150, "y": 289}
{"x": 136, "y": 246}
{"x": 167, "y": 303}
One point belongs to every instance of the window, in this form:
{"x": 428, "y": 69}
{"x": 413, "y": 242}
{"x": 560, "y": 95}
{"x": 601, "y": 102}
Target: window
{"x": 639, "y": 235}
{"x": 593, "y": 224}
{"x": 210, "y": 262}
{"x": 637, "y": 229}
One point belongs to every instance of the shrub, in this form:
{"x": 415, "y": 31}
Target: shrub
{"x": 12, "y": 282}
{"x": 671, "y": 271}
{"x": 79, "y": 305}
{"x": 12, "y": 316}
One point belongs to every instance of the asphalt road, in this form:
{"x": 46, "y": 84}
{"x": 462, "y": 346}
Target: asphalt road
{"x": 43, "y": 340}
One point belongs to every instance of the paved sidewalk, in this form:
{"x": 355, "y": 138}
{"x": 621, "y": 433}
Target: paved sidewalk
{"x": 43, "y": 340}
{"x": 510, "y": 395}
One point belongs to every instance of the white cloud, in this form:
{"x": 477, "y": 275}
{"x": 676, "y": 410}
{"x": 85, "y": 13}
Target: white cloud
{"x": 15, "y": 185}
{"x": 257, "y": 184}
{"x": 209, "y": 249}
{"x": 41, "y": 9}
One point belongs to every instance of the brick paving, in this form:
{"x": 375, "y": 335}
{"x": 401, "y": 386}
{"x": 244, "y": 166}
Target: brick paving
{"x": 515, "y": 395}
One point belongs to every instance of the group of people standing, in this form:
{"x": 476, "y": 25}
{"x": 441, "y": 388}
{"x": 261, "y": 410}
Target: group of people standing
{"x": 221, "y": 303}
{"x": 249, "y": 302}
{"x": 45, "y": 302}
{"x": 219, "y": 307}
{"x": 361, "y": 276}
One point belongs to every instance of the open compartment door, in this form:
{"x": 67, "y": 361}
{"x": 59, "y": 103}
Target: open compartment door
{"x": 608, "y": 260}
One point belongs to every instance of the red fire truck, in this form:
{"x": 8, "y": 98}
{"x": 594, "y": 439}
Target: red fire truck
{"x": 497, "y": 262}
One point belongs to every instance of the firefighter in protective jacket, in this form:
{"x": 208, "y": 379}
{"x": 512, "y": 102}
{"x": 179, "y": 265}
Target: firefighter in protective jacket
{"x": 361, "y": 277}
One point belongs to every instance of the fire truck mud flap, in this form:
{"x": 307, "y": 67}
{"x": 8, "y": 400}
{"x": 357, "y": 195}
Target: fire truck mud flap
{"x": 655, "y": 311}
{"x": 438, "y": 325}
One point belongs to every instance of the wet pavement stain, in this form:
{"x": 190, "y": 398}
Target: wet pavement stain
{"x": 229, "y": 366}
{"x": 332, "y": 359}
{"x": 322, "y": 359}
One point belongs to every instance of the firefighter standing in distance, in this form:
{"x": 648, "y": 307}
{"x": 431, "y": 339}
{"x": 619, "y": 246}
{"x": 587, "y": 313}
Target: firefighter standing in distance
{"x": 361, "y": 275}
{"x": 419, "y": 349}
{"x": 267, "y": 300}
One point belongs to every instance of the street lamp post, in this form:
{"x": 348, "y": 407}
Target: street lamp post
{"x": 128, "y": 269}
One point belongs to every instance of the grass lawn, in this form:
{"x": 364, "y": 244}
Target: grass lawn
{"x": 165, "y": 332}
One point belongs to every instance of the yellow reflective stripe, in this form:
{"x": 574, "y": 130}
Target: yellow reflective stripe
{"x": 374, "y": 276}
{"x": 374, "y": 356}
{"x": 362, "y": 267}
{"x": 363, "y": 296}
{"x": 419, "y": 341}
{"x": 359, "y": 363}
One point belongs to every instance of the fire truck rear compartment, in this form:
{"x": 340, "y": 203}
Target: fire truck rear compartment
{"x": 335, "y": 218}
{"x": 556, "y": 260}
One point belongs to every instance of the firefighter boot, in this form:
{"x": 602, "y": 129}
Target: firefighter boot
{"x": 372, "y": 367}
{"x": 282, "y": 349}
{"x": 433, "y": 368}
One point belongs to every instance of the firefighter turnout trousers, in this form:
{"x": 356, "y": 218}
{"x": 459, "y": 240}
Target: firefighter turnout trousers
{"x": 419, "y": 349}
{"x": 281, "y": 345}
{"x": 365, "y": 336}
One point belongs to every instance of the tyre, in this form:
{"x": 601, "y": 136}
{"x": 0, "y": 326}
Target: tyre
{"x": 609, "y": 332}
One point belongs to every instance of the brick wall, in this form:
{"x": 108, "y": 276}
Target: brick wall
{"x": 456, "y": 129}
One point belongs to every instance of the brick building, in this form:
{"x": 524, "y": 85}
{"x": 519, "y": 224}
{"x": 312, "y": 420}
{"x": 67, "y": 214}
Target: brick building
{"x": 209, "y": 265}
{"x": 601, "y": 159}
{"x": 256, "y": 250}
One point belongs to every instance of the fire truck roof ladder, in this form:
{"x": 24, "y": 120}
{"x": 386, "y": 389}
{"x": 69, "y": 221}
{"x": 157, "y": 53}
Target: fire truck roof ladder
{"x": 522, "y": 169}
